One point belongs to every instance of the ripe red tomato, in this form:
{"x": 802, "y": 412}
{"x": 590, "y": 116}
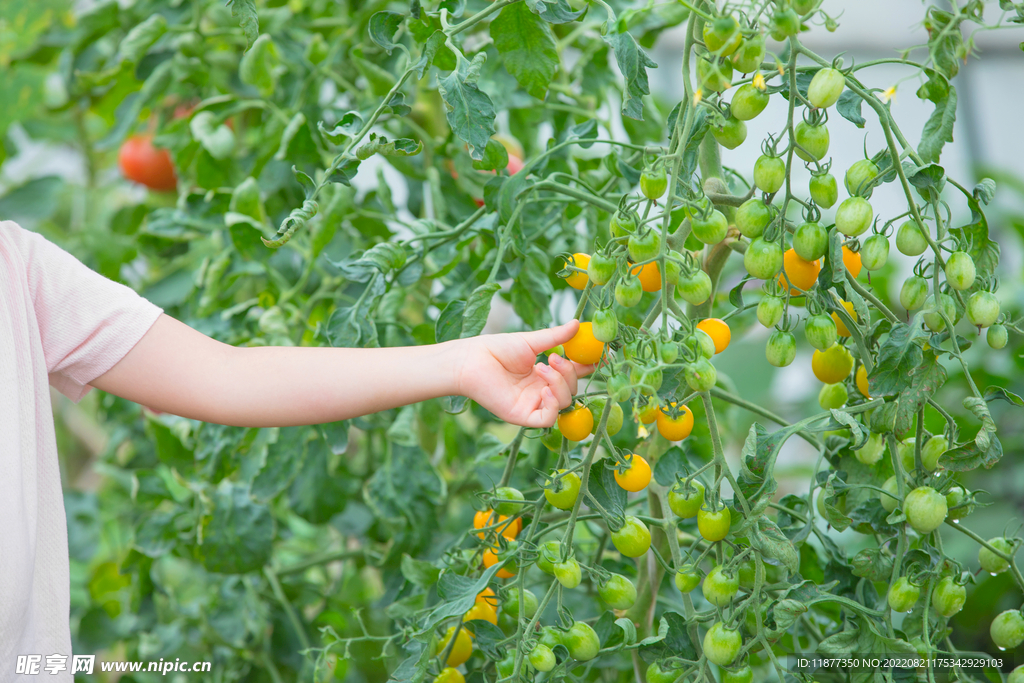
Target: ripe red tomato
{"x": 143, "y": 163}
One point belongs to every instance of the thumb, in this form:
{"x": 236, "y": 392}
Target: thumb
{"x": 542, "y": 340}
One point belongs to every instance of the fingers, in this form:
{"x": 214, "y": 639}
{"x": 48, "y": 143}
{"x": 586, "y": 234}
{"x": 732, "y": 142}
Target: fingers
{"x": 567, "y": 369}
{"x": 542, "y": 340}
{"x": 558, "y": 384}
{"x": 546, "y": 413}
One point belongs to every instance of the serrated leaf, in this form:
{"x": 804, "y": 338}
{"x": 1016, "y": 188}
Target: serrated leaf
{"x": 238, "y": 536}
{"x": 248, "y": 20}
{"x": 527, "y": 47}
{"x": 470, "y": 112}
{"x": 924, "y": 381}
{"x": 897, "y": 358}
{"x": 383, "y": 26}
{"x": 283, "y": 462}
{"x": 938, "y": 129}
{"x": 969, "y": 457}
{"x": 345, "y": 171}
{"x": 478, "y": 307}
{"x": 633, "y": 64}
{"x": 771, "y": 542}
{"x": 848, "y": 107}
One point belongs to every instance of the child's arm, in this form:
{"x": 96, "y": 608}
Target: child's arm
{"x": 178, "y": 370}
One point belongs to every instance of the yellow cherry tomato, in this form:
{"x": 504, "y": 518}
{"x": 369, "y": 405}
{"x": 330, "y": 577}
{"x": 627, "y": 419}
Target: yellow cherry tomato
{"x": 649, "y": 275}
{"x": 841, "y": 329}
{"x": 719, "y": 332}
{"x": 833, "y": 365}
{"x": 637, "y": 477}
{"x": 649, "y": 412}
{"x": 851, "y": 259}
{"x": 487, "y": 597}
{"x": 802, "y": 274}
{"x": 579, "y": 280}
{"x": 675, "y": 428}
{"x": 862, "y": 381}
{"x": 462, "y": 648}
{"x": 450, "y": 675}
{"x": 483, "y": 612}
{"x": 577, "y": 424}
{"x": 583, "y": 348}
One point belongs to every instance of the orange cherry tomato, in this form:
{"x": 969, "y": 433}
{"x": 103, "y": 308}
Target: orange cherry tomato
{"x": 577, "y": 424}
{"x": 485, "y": 518}
{"x": 675, "y": 428}
{"x": 851, "y": 259}
{"x": 637, "y": 477}
{"x": 583, "y": 348}
{"x": 491, "y": 559}
{"x": 719, "y": 332}
{"x": 146, "y": 164}
{"x": 579, "y": 280}
{"x": 649, "y": 413}
{"x": 487, "y": 597}
{"x": 649, "y": 275}
{"x": 802, "y": 274}
{"x": 841, "y": 329}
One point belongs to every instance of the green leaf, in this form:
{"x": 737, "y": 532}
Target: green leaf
{"x": 999, "y": 393}
{"x": 898, "y": 357}
{"x": 469, "y": 110}
{"x": 127, "y": 113}
{"x": 772, "y": 543}
{"x": 419, "y": 572}
{"x": 633, "y": 64}
{"x": 495, "y": 157}
{"x": 136, "y": 44}
{"x": 449, "y": 323}
{"x": 848, "y": 107}
{"x": 345, "y": 171}
{"x": 527, "y": 47}
{"x": 259, "y": 66}
{"x": 156, "y": 534}
{"x": 284, "y": 460}
{"x": 554, "y": 11}
{"x": 238, "y": 537}
{"x": 248, "y": 20}
{"x": 383, "y": 26}
{"x": 532, "y": 289}
{"x": 602, "y": 487}
{"x": 970, "y": 457}
{"x": 938, "y": 129}
{"x": 478, "y": 307}
{"x": 403, "y": 147}
{"x": 924, "y": 381}
{"x": 218, "y": 140}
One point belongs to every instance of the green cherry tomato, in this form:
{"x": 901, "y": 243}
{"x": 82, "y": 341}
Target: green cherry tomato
{"x": 744, "y": 674}
{"x": 694, "y": 288}
{"x": 1016, "y": 676}
{"x": 720, "y": 586}
{"x": 615, "y": 415}
{"x": 748, "y": 101}
{"x": 763, "y": 258}
{"x": 686, "y": 501}
{"x": 512, "y": 603}
{"x": 750, "y": 55}
{"x": 563, "y": 491}
{"x": 910, "y": 240}
{"x": 812, "y": 141}
{"x": 551, "y": 637}
{"x": 872, "y": 450}
{"x": 618, "y": 592}
{"x": 1007, "y": 629}
{"x": 657, "y": 674}
{"x": 853, "y": 216}
{"x": 925, "y": 509}
{"x": 888, "y": 499}
{"x": 785, "y": 24}
{"x": 913, "y": 293}
{"x": 769, "y": 310}
{"x": 997, "y": 337}
{"x": 714, "y": 75}
{"x": 710, "y": 229}
{"x": 705, "y": 344}
{"x": 628, "y": 291}
{"x": 960, "y": 270}
{"x": 932, "y": 451}
{"x": 820, "y": 331}
{"x": 730, "y": 134}
{"x": 955, "y": 498}
{"x": 633, "y": 539}
{"x": 824, "y": 190}
{"x": 804, "y": 7}
{"x": 605, "y": 325}
{"x": 932, "y": 318}
{"x": 860, "y": 176}
{"x": 810, "y": 241}
{"x": 903, "y": 595}
{"x": 582, "y": 642}
{"x": 653, "y": 183}
{"x": 542, "y": 658}
{"x": 992, "y": 563}
{"x": 644, "y": 246}
{"x": 983, "y": 309}
{"x": 568, "y": 573}
{"x": 781, "y": 348}
{"x": 722, "y": 644}
{"x": 668, "y": 351}
{"x": 875, "y": 252}
{"x": 833, "y": 396}
{"x": 722, "y": 36}
{"x": 701, "y": 375}
{"x": 507, "y": 493}
{"x": 507, "y": 666}
{"x": 949, "y": 597}
{"x": 623, "y": 224}
{"x": 752, "y": 217}
{"x": 601, "y": 269}
{"x": 769, "y": 173}
{"x": 713, "y": 525}
{"x": 687, "y": 578}
{"x": 825, "y": 88}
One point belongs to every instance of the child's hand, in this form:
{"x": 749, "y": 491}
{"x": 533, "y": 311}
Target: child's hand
{"x": 499, "y": 372}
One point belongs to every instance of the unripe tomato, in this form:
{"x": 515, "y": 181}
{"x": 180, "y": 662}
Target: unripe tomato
{"x": 750, "y": 55}
{"x": 781, "y": 348}
{"x": 720, "y": 586}
{"x": 579, "y": 280}
{"x": 932, "y": 451}
{"x": 710, "y": 230}
{"x": 548, "y": 553}
{"x": 872, "y": 450}
{"x": 1007, "y": 629}
{"x": 925, "y": 509}
{"x": 955, "y": 498}
{"x": 722, "y": 644}
{"x": 722, "y": 36}
{"x": 507, "y": 493}
{"x": 769, "y": 310}
{"x": 146, "y": 164}
{"x": 512, "y": 604}
{"x": 833, "y": 396}
{"x": 810, "y": 241}
{"x": 644, "y": 246}
{"x": 853, "y": 217}
{"x": 672, "y": 268}
{"x": 769, "y": 173}
{"x": 687, "y": 578}
{"x": 628, "y": 292}
{"x": 744, "y": 674}
{"x": 618, "y": 592}
{"x": 801, "y": 274}
{"x": 623, "y": 224}
{"x": 752, "y": 217}
{"x": 686, "y": 501}
{"x": 813, "y": 141}
{"x": 763, "y": 258}
{"x": 705, "y": 344}
{"x": 653, "y": 183}
{"x": 949, "y": 597}
{"x": 983, "y": 309}
{"x": 462, "y": 648}
{"x": 932, "y": 318}
{"x": 841, "y": 328}
{"x": 913, "y": 293}
{"x": 820, "y": 331}
{"x": 832, "y": 365}
{"x": 701, "y": 375}
{"x": 713, "y": 525}
{"x": 674, "y": 428}
{"x": 605, "y": 325}
{"x": 730, "y": 134}
{"x": 824, "y": 190}
{"x": 714, "y": 75}
{"x": 860, "y": 176}
{"x": 506, "y": 667}
{"x": 910, "y": 240}
{"x": 695, "y": 288}
{"x": 903, "y": 595}
{"x": 668, "y": 351}
{"x": 542, "y": 658}
{"x": 636, "y": 477}
{"x": 568, "y": 573}
{"x": 747, "y": 102}
{"x": 1016, "y": 676}
{"x": 563, "y": 490}
{"x": 616, "y": 417}
{"x": 584, "y": 348}
{"x": 960, "y": 270}
{"x": 656, "y": 674}
{"x": 889, "y": 499}
{"x": 992, "y": 563}
{"x": 719, "y": 332}
{"x": 481, "y": 613}
{"x": 997, "y": 337}
{"x": 825, "y": 88}
{"x": 648, "y": 379}
{"x": 633, "y": 539}
{"x": 449, "y": 674}
{"x": 601, "y": 269}
{"x": 582, "y": 642}
{"x": 875, "y": 252}
{"x": 551, "y": 637}
{"x": 785, "y": 24}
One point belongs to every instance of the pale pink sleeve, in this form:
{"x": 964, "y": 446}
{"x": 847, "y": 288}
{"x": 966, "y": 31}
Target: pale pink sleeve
{"x": 87, "y": 323}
